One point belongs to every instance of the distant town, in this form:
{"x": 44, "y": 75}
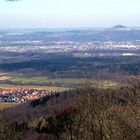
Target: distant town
{"x": 83, "y": 43}
{"x": 76, "y": 48}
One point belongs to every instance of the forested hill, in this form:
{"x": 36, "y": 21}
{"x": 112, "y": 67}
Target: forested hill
{"x": 88, "y": 113}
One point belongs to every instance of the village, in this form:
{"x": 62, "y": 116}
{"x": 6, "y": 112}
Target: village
{"x": 22, "y": 95}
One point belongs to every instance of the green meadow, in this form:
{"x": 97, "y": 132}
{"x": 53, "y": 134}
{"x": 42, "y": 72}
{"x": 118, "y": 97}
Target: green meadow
{"x": 65, "y": 83}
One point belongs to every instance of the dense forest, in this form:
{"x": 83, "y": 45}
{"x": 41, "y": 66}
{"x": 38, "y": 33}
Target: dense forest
{"x": 87, "y": 113}
{"x": 69, "y": 66}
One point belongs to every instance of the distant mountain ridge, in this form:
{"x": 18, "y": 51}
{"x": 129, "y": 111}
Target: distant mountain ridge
{"x": 120, "y": 33}
{"x": 115, "y": 33}
{"x": 119, "y": 26}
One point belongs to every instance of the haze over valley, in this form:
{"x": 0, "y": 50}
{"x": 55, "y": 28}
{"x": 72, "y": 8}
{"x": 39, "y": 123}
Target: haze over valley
{"x": 69, "y": 70}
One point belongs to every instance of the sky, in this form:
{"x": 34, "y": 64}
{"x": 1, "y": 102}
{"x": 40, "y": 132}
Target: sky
{"x": 69, "y": 13}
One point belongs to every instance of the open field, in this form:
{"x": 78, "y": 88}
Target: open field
{"x": 64, "y": 72}
{"x": 4, "y": 76}
{"x": 6, "y": 105}
{"x": 53, "y": 88}
{"x": 19, "y": 80}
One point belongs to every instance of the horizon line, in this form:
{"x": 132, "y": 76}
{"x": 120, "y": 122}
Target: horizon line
{"x": 70, "y": 27}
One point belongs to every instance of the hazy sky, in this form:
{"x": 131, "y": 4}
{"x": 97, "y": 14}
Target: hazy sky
{"x": 69, "y": 13}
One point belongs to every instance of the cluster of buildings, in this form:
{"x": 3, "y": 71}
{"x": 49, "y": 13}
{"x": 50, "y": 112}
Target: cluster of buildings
{"x": 66, "y": 46}
{"x": 23, "y": 95}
